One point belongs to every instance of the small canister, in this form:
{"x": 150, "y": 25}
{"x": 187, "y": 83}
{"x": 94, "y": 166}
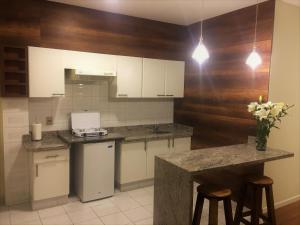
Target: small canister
{"x": 36, "y": 132}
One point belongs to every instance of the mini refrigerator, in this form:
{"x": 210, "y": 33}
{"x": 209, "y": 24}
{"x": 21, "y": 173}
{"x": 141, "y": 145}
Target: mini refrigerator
{"x": 94, "y": 170}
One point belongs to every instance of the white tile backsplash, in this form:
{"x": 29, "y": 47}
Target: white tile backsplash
{"x": 94, "y": 97}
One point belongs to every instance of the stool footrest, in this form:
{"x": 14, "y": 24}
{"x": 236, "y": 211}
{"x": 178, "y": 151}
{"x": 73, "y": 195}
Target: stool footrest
{"x": 245, "y": 221}
{"x": 264, "y": 218}
{"x": 248, "y": 213}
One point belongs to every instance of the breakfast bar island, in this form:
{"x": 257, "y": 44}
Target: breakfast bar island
{"x": 176, "y": 173}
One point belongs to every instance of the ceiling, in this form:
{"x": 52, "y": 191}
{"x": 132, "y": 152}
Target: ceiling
{"x": 294, "y": 2}
{"x": 182, "y": 12}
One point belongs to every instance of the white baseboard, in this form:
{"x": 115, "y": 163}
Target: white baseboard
{"x": 287, "y": 201}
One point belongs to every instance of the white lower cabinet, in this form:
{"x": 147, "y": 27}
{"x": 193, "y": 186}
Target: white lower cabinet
{"x": 132, "y": 162}
{"x": 49, "y": 174}
{"x": 135, "y": 161}
{"x": 156, "y": 147}
{"x": 181, "y": 144}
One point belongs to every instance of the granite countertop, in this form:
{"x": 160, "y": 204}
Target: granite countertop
{"x": 50, "y": 141}
{"x": 55, "y": 140}
{"x": 212, "y": 158}
{"x": 146, "y": 132}
{"x": 133, "y": 133}
{"x": 69, "y": 138}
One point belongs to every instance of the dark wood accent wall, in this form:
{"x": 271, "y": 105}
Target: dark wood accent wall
{"x": 217, "y": 93}
{"x": 54, "y": 25}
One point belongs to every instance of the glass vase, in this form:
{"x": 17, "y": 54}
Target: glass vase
{"x": 262, "y": 134}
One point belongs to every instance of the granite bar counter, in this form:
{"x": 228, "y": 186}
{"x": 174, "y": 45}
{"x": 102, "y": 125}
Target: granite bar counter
{"x": 175, "y": 174}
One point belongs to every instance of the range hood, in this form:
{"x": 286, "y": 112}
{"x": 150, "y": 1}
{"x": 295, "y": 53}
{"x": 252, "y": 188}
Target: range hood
{"x": 81, "y": 76}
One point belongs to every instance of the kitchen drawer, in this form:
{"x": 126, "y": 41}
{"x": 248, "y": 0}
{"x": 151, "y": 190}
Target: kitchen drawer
{"x": 50, "y": 156}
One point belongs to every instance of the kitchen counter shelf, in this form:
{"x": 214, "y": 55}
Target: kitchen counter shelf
{"x": 50, "y": 141}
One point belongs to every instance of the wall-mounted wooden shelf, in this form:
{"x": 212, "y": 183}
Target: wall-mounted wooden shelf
{"x": 14, "y": 71}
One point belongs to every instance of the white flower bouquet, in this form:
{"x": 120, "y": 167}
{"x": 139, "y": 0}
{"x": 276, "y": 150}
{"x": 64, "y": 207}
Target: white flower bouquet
{"x": 267, "y": 115}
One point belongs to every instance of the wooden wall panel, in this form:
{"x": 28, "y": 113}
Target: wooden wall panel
{"x": 20, "y": 22}
{"x": 54, "y": 25}
{"x": 217, "y": 93}
{"x": 83, "y": 29}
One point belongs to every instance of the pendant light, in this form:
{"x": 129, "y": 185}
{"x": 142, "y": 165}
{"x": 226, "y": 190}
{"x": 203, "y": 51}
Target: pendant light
{"x": 254, "y": 59}
{"x": 200, "y": 53}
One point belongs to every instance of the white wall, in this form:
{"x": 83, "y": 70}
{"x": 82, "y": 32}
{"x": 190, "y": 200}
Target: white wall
{"x": 285, "y": 86}
{"x": 15, "y": 125}
{"x": 94, "y": 97}
{"x": 1, "y": 157}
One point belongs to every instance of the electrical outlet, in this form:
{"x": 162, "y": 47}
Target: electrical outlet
{"x": 49, "y": 120}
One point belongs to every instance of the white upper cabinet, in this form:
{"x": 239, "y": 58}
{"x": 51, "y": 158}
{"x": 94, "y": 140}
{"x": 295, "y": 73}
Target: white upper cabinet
{"x": 128, "y": 82}
{"x": 174, "y": 75}
{"x": 87, "y": 63}
{"x": 46, "y": 72}
{"x": 163, "y": 78}
{"x": 153, "y": 78}
{"x": 133, "y": 77}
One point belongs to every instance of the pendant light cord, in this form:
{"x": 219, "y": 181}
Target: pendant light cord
{"x": 255, "y": 31}
{"x": 202, "y": 7}
{"x": 201, "y": 37}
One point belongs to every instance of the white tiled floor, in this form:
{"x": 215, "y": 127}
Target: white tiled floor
{"x": 125, "y": 208}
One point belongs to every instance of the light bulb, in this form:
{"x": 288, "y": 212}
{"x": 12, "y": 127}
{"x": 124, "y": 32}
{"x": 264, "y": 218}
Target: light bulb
{"x": 200, "y": 53}
{"x": 254, "y": 60}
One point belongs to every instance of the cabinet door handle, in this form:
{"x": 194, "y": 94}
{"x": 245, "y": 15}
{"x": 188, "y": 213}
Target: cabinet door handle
{"x": 173, "y": 143}
{"x": 37, "y": 170}
{"x": 170, "y": 95}
{"x": 146, "y": 145}
{"x": 51, "y": 156}
{"x": 168, "y": 142}
{"x": 160, "y": 95}
{"x": 57, "y": 94}
{"x": 122, "y": 95}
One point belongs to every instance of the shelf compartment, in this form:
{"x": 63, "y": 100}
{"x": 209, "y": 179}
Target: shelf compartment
{"x": 14, "y": 71}
{"x": 15, "y": 90}
{"x": 12, "y": 65}
{"x": 14, "y": 52}
{"x": 15, "y": 77}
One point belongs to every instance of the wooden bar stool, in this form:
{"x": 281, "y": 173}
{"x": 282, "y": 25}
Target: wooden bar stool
{"x": 214, "y": 194}
{"x": 256, "y": 185}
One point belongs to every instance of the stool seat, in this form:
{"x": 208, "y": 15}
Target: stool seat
{"x": 211, "y": 191}
{"x": 214, "y": 194}
{"x": 260, "y": 181}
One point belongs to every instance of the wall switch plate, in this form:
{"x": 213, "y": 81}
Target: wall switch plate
{"x": 49, "y": 120}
